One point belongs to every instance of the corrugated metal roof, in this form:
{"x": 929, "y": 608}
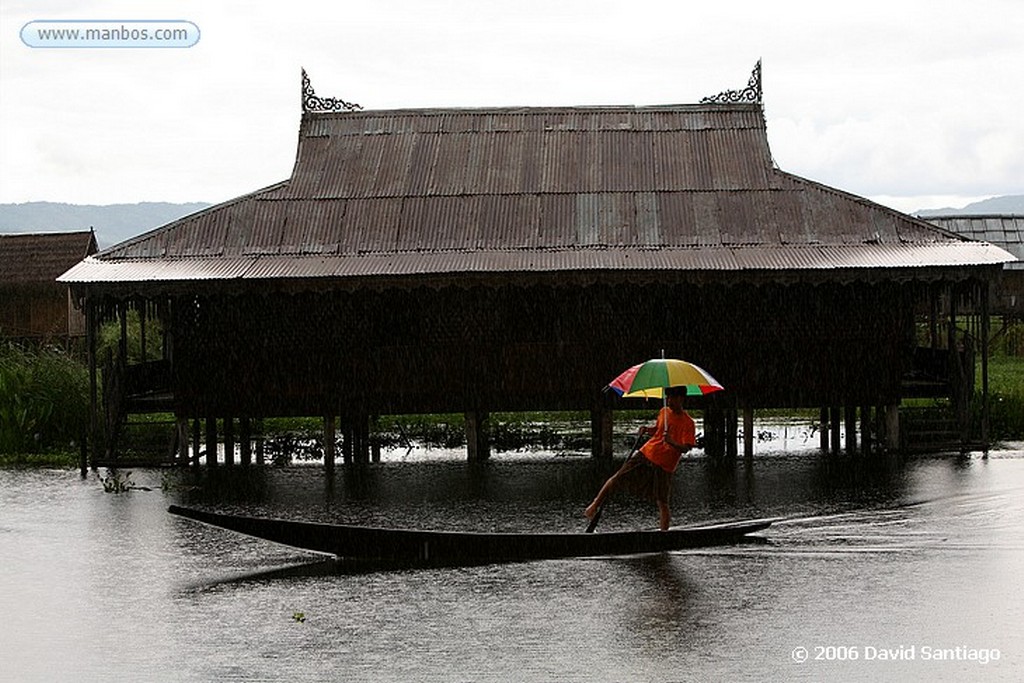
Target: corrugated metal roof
{"x": 1005, "y": 231}
{"x": 40, "y": 257}
{"x": 694, "y": 259}
{"x": 437, "y": 191}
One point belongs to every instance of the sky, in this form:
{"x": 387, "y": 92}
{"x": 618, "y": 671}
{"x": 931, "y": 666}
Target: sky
{"x": 914, "y": 104}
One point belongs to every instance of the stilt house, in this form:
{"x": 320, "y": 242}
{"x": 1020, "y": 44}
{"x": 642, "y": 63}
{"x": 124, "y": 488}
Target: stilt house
{"x": 505, "y": 259}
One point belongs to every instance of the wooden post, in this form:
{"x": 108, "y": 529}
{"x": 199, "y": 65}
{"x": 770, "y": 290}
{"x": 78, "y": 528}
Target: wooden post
{"x": 181, "y": 425}
{"x": 260, "y": 456}
{"x": 984, "y": 364}
{"x": 892, "y": 426}
{"x": 245, "y": 439}
{"x": 363, "y": 438}
{"x": 714, "y": 431}
{"x": 329, "y": 435}
{"x": 748, "y": 432}
{"x": 229, "y": 440}
{"x": 601, "y": 433}
{"x": 731, "y": 432}
{"x": 346, "y": 446}
{"x": 374, "y": 439}
{"x": 211, "y": 441}
{"x": 478, "y": 448}
{"x": 122, "y": 311}
{"x": 850, "y": 413}
{"x": 823, "y": 429}
{"x": 865, "y": 429}
{"x": 90, "y": 342}
{"x": 834, "y": 428}
{"x": 197, "y": 440}
{"x": 141, "y": 303}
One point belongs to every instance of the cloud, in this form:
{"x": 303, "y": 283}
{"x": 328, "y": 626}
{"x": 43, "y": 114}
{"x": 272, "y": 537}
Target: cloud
{"x": 877, "y": 98}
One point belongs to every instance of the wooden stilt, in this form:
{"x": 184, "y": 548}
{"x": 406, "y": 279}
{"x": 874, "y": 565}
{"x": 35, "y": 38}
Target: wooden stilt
{"x": 374, "y": 440}
{"x": 260, "y": 456}
{"x": 141, "y": 304}
{"x": 197, "y": 440}
{"x": 850, "y": 414}
{"x": 835, "y": 428}
{"x": 984, "y": 335}
{"x": 823, "y": 429}
{"x": 865, "y": 429}
{"x": 346, "y": 446}
{"x": 714, "y": 431}
{"x": 245, "y": 440}
{"x": 211, "y": 441}
{"x": 361, "y": 439}
{"x": 892, "y": 427}
{"x": 181, "y": 425}
{"x": 329, "y": 437}
{"x": 229, "y": 441}
{"x": 478, "y": 447}
{"x": 731, "y": 432}
{"x": 90, "y": 342}
{"x": 601, "y": 431}
{"x": 748, "y": 432}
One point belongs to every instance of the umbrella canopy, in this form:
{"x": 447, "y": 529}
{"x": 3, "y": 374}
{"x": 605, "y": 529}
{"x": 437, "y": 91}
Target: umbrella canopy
{"x": 649, "y": 379}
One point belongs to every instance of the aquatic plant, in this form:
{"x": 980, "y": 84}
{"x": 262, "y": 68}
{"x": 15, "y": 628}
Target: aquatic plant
{"x": 43, "y": 399}
{"x": 115, "y": 482}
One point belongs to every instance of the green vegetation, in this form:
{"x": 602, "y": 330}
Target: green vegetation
{"x": 110, "y": 338}
{"x": 56, "y": 460}
{"x": 43, "y": 401}
{"x": 44, "y": 410}
{"x": 1006, "y": 396}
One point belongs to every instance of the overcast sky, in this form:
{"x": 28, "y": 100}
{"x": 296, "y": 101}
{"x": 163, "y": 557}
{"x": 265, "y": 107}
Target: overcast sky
{"x": 913, "y": 103}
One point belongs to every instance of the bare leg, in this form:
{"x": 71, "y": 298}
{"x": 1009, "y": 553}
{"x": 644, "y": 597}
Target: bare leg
{"x": 608, "y": 487}
{"x": 664, "y": 515}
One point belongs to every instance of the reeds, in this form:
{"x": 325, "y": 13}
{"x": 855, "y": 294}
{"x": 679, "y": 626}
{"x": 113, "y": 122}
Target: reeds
{"x": 44, "y": 400}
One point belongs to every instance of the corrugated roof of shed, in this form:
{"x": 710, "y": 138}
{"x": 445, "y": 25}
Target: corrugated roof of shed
{"x": 449, "y": 191}
{"x": 1004, "y": 231}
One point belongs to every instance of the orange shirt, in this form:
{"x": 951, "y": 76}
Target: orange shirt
{"x": 681, "y": 430}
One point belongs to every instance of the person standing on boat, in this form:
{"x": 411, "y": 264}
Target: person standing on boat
{"x": 647, "y": 472}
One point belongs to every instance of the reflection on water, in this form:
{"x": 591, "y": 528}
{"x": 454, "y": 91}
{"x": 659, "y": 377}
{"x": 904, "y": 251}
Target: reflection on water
{"x": 872, "y": 553}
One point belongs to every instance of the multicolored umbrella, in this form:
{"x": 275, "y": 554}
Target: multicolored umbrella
{"x": 649, "y": 379}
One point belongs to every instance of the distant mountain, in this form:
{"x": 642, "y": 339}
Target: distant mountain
{"x": 1009, "y": 204}
{"x": 113, "y": 222}
{"x": 116, "y": 223}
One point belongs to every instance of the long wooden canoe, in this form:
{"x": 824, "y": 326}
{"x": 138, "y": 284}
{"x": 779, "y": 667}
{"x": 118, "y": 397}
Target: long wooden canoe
{"x": 463, "y": 547}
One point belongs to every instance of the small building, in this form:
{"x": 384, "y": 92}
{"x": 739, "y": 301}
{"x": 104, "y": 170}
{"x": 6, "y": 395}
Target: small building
{"x": 34, "y": 307}
{"x": 1006, "y": 232}
{"x": 507, "y": 259}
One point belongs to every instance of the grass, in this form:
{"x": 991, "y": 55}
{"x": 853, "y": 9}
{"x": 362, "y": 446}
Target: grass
{"x": 56, "y": 460}
{"x": 1006, "y": 396}
{"x": 43, "y": 400}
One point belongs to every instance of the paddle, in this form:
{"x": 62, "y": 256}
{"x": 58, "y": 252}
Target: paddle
{"x": 600, "y": 508}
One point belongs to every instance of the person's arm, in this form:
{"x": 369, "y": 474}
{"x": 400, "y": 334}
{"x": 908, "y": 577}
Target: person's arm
{"x": 678, "y": 430}
{"x": 653, "y": 430}
{"x": 681, "y": 447}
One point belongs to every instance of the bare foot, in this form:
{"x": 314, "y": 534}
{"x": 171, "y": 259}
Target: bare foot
{"x": 590, "y": 511}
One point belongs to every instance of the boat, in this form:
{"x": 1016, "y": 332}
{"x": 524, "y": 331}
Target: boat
{"x": 469, "y": 547}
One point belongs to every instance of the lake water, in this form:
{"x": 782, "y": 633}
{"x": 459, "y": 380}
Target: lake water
{"x": 881, "y": 569}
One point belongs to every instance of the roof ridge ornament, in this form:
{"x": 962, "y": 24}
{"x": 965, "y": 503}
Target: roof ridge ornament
{"x": 311, "y": 102}
{"x": 752, "y": 93}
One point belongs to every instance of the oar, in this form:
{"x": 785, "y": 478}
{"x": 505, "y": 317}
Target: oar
{"x": 600, "y": 508}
